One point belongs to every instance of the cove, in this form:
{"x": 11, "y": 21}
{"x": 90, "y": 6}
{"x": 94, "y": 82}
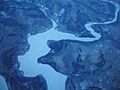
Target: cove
{"x": 39, "y": 47}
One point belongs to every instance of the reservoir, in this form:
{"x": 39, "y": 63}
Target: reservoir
{"x": 38, "y": 48}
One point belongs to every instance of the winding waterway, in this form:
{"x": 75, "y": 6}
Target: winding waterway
{"x": 39, "y": 47}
